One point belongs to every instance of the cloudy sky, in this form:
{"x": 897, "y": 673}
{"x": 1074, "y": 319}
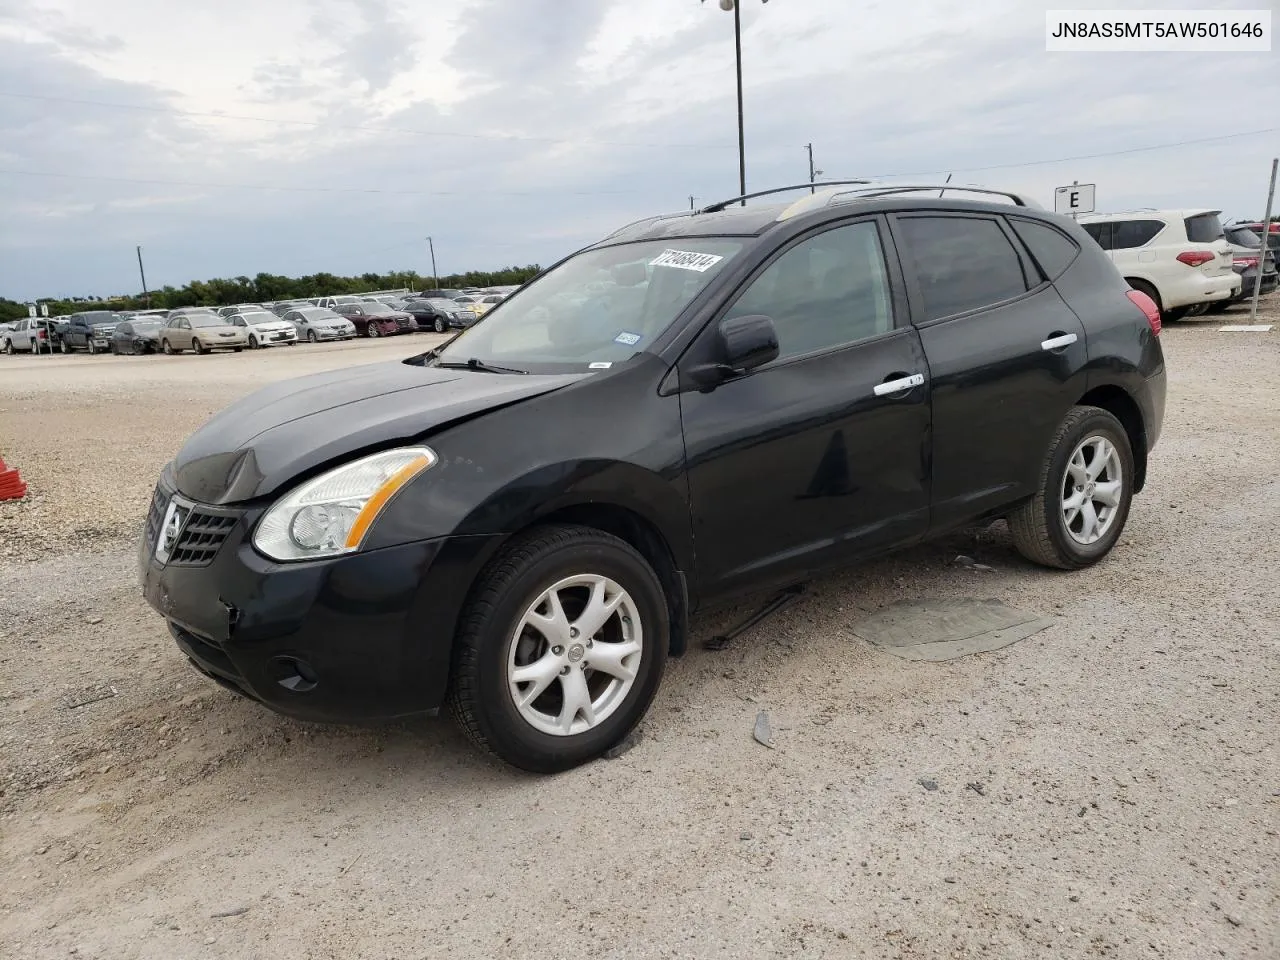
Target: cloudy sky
{"x": 293, "y": 136}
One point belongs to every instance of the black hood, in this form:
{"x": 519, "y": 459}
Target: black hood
{"x": 261, "y": 443}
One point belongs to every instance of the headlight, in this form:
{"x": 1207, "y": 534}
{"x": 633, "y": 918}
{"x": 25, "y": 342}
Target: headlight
{"x": 331, "y": 514}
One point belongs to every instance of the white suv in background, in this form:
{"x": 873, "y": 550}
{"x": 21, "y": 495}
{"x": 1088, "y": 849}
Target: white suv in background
{"x": 1179, "y": 258}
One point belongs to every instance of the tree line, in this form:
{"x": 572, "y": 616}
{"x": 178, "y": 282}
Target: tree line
{"x": 267, "y": 286}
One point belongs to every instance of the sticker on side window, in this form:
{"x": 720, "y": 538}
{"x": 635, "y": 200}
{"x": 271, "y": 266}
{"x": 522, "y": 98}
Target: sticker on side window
{"x": 685, "y": 260}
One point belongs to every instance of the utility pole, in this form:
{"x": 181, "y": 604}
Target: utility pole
{"x": 809, "y": 147}
{"x": 145, "y": 295}
{"x": 691, "y": 199}
{"x": 435, "y": 279}
{"x": 742, "y": 142}
{"x": 1266, "y": 235}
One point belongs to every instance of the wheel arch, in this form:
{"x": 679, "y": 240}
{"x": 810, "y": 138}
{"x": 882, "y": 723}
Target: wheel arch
{"x": 1117, "y": 401}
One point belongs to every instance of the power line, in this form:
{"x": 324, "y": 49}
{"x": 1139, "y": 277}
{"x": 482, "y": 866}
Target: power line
{"x": 286, "y": 189}
{"x": 44, "y": 98}
{"x": 1085, "y": 156}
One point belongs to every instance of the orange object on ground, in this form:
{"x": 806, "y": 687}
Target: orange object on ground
{"x": 11, "y": 485}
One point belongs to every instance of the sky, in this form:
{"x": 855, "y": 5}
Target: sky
{"x": 297, "y": 136}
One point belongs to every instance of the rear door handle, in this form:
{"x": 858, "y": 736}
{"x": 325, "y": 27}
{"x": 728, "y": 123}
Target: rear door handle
{"x": 1057, "y": 343}
{"x": 897, "y": 386}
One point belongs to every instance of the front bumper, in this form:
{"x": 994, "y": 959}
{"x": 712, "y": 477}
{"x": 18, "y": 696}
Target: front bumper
{"x": 365, "y": 636}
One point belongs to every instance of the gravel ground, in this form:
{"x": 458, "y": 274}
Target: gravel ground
{"x": 1106, "y": 788}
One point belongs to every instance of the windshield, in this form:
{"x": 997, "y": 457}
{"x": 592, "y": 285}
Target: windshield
{"x": 206, "y": 320}
{"x": 260, "y": 316}
{"x": 145, "y": 326}
{"x": 601, "y": 306}
{"x": 319, "y": 313}
{"x": 442, "y": 304}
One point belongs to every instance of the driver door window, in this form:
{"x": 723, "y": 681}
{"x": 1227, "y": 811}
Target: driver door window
{"x": 826, "y": 291}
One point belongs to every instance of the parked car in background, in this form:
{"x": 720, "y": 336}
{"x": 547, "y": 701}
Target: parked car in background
{"x": 264, "y": 329}
{"x": 438, "y": 294}
{"x": 520, "y": 523}
{"x": 333, "y": 302}
{"x": 282, "y": 307}
{"x": 473, "y": 303}
{"x": 201, "y": 333}
{"x": 90, "y": 331}
{"x": 320, "y": 323}
{"x": 238, "y": 308}
{"x": 439, "y": 314}
{"x": 1179, "y": 258}
{"x": 1273, "y": 236}
{"x": 374, "y": 320}
{"x": 137, "y": 335}
{"x": 1252, "y": 263}
{"x": 30, "y": 335}
{"x": 190, "y": 312}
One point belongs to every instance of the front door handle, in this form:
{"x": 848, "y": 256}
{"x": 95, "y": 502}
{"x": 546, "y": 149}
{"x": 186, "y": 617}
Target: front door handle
{"x": 898, "y": 386}
{"x": 1058, "y": 342}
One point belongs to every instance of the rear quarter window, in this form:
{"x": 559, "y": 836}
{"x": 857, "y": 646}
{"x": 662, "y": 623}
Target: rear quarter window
{"x": 1204, "y": 228}
{"x": 1052, "y": 249}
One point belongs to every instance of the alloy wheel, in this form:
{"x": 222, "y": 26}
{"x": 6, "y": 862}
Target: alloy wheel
{"x": 574, "y": 655}
{"x": 1092, "y": 489}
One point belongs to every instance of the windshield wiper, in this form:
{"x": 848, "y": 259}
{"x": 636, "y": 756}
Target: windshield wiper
{"x": 475, "y": 363}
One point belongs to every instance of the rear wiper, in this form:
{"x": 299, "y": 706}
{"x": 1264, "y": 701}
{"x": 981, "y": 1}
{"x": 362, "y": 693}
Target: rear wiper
{"x": 475, "y": 363}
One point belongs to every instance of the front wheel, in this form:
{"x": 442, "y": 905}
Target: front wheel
{"x": 8, "y": 347}
{"x": 197, "y": 347}
{"x": 373, "y": 331}
{"x": 440, "y": 325}
{"x": 93, "y": 348}
{"x": 560, "y": 649}
{"x": 311, "y": 336}
{"x": 253, "y": 343}
{"x": 65, "y": 347}
{"x": 1086, "y": 486}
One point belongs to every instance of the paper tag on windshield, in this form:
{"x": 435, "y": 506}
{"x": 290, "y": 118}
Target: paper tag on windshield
{"x": 686, "y": 260}
{"x": 600, "y": 365}
{"x": 627, "y": 338}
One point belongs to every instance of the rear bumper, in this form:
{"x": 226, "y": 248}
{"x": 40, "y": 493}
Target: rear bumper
{"x": 1269, "y": 283}
{"x": 1198, "y": 288}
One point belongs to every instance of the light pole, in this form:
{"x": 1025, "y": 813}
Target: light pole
{"x": 735, "y": 7}
{"x": 146, "y": 297}
{"x": 435, "y": 279}
{"x": 812, "y": 172}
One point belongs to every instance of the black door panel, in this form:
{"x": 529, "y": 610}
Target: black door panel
{"x": 801, "y": 465}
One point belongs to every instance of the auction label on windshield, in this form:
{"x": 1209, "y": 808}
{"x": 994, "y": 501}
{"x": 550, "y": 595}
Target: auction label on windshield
{"x": 686, "y": 260}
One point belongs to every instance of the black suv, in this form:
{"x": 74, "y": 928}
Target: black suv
{"x": 702, "y": 405}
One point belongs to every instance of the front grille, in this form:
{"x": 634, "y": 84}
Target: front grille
{"x": 202, "y": 535}
{"x": 155, "y": 514}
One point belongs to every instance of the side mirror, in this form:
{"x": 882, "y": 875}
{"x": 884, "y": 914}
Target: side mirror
{"x": 742, "y": 344}
{"x": 747, "y": 342}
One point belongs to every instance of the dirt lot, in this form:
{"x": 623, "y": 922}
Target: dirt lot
{"x": 1106, "y": 788}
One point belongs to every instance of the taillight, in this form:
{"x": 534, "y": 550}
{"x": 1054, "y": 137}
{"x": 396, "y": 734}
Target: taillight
{"x": 1147, "y": 306}
{"x": 1247, "y": 262}
{"x": 1193, "y": 258}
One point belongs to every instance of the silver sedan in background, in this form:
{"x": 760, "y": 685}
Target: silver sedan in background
{"x": 320, "y": 323}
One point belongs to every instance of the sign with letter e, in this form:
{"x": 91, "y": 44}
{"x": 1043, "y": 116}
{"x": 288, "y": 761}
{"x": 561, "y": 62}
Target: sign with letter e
{"x": 1077, "y": 198}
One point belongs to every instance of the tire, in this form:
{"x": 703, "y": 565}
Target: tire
{"x": 111, "y": 349}
{"x": 1219, "y": 306}
{"x": 1041, "y": 531}
{"x": 372, "y": 331}
{"x": 311, "y": 337}
{"x": 481, "y": 698}
{"x": 236, "y": 349}
{"x": 253, "y": 343}
{"x": 197, "y": 347}
{"x": 8, "y": 347}
{"x": 93, "y": 348}
{"x": 166, "y": 349}
{"x": 440, "y": 325}
{"x": 64, "y": 346}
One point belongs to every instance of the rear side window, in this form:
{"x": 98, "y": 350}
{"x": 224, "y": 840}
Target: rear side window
{"x": 1204, "y": 228}
{"x": 1127, "y": 234}
{"x": 1052, "y": 249}
{"x": 1100, "y": 232}
{"x": 961, "y": 263}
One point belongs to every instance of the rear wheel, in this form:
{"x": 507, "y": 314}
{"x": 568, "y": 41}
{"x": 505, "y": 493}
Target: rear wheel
{"x": 1086, "y": 486}
{"x": 561, "y": 648}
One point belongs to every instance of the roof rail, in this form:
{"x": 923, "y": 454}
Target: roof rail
{"x": 636, "y": 223}
{"x": 721, "y": 204}
{"x": 884, "y": 190}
